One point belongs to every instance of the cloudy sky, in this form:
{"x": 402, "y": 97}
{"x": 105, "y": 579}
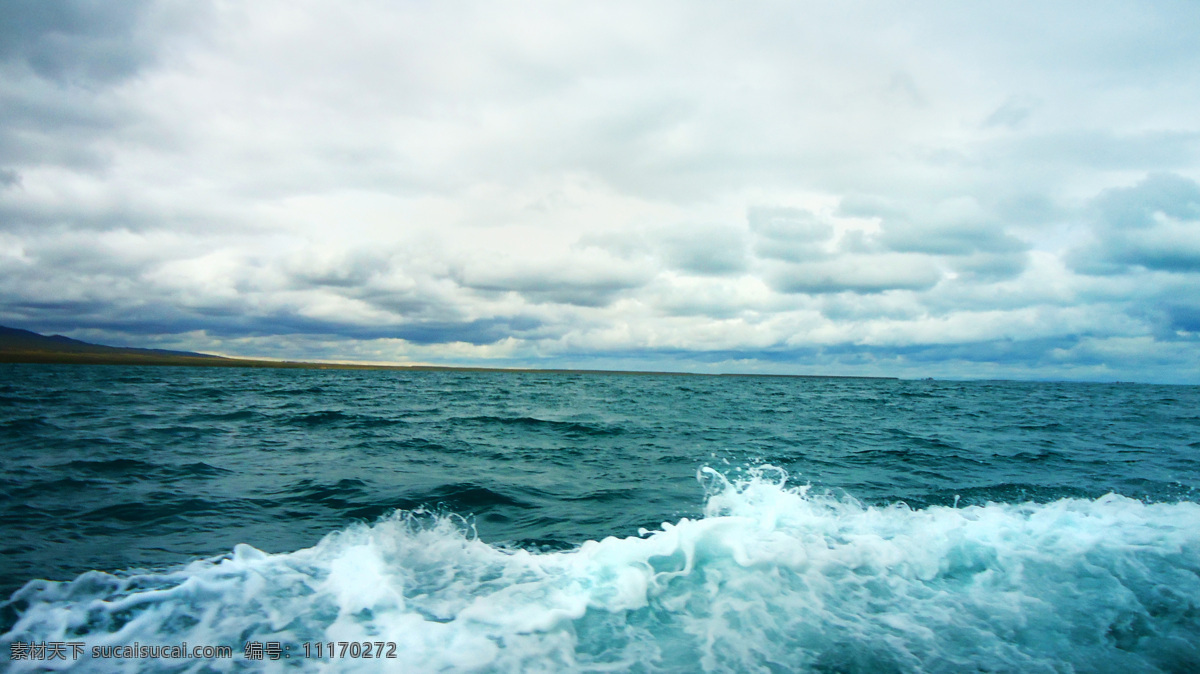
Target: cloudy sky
{"x": 945, "y": 189}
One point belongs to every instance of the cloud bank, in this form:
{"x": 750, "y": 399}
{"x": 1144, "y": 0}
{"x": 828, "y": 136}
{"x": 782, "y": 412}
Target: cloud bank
{"x": 959, "y": 191}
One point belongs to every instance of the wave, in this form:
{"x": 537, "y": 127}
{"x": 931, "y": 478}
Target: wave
{"x": 566, "y": 426}
{"x": 772, "y": 578}
{"x": 339, "y": 418}
{"x": 27, "y": 424}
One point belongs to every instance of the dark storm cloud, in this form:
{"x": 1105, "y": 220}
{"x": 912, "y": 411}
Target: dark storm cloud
{"x": 165, "y": 317}
{"x": 483, "y": 331}
{"x": 414, "y": 303}
{"x": 1154, "y": 225}
{"x": 1174, "y": 318}
{"x": 48, "y": 125}
{"x": 590, "y": 278}
{"x": 1184, "y": 317}
{"x": 382, "y": 279}
{"x": 74, "y": 40}
{"x": 56, "y": 59}
{"x": 62, "y": 63}
{"x": 476, "y": 332}
{"x": 998, "y": 352}
{"x": 131, "y": 322}
{"x": 125, "y": 283}
{"x": 1030, "y": 352}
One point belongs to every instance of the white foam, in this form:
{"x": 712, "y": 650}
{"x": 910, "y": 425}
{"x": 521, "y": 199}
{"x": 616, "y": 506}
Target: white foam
{"x": 771, "y": 577}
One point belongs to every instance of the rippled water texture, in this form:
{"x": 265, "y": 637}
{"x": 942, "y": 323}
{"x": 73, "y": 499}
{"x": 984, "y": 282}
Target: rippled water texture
{"x": 1001, "y": 494}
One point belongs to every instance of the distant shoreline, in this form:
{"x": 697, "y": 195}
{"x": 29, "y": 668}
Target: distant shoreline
{"x": 24, "y": 346}
{"x": 50, "y": 358}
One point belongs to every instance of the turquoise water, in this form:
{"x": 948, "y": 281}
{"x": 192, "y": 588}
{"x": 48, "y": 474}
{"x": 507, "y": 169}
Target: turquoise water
{"x": 550, "y": 522}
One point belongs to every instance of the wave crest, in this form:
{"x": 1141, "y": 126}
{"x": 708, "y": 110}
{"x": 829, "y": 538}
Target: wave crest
{"x": 773, "y": 577}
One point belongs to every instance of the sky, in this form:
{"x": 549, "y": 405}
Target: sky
{"x": 943, "y": 189}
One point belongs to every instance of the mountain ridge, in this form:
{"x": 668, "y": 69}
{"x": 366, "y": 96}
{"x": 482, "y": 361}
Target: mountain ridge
{"x": 25, "y": 346}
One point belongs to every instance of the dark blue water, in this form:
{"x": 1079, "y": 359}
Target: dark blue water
{"x": 760, "y": 523}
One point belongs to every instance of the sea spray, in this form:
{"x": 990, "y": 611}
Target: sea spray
{"x": 772, "y": 578}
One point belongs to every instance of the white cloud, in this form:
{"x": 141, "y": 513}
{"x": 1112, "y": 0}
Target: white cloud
{"x": 805, "y": 185}
{"x": 856, "y": 273}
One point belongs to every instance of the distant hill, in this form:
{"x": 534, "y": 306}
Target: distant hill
{"x": 23, "y": 346}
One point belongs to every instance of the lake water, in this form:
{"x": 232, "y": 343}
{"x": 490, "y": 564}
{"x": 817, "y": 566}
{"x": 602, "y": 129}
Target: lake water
{"x": 484, "y": 521}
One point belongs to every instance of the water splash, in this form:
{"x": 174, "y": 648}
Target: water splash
{"x": 772, "y": 578}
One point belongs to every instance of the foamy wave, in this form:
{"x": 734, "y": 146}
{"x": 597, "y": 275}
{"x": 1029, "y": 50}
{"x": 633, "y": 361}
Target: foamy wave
{"x": 773, "y": 578}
